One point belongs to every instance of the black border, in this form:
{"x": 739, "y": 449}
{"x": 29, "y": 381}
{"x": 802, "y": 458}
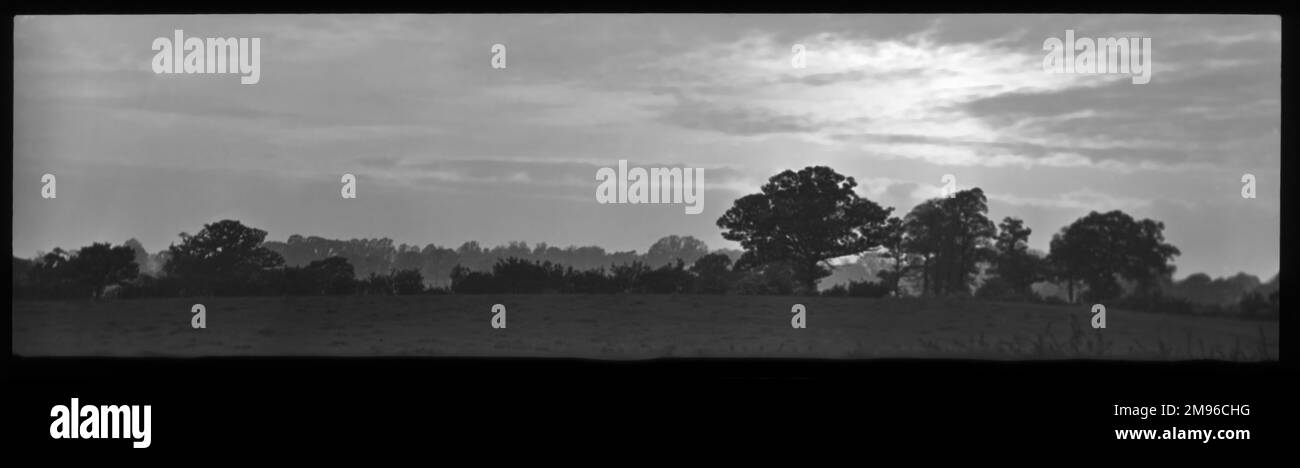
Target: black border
{"x": 448, "y": 405}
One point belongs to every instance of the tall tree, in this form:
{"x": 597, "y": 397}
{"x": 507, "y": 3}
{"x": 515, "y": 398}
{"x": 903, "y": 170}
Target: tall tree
{"x": 804, "y": 218}
{"x": 1012, "y": 261}
{"x": 950, "y": 235}
{"x": 892, "y": 237}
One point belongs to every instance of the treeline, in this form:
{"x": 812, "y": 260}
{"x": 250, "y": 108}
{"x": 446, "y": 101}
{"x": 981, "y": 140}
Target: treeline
{"x": 789, "y": 232}
{"x": 948, "y": 246}
{"x": 435, "y": 263}
{"x": 93, "y": 270}
{"x": 225, "y": 259}
{"x": 228, "y": 258}
{"x": 711, "y": 274}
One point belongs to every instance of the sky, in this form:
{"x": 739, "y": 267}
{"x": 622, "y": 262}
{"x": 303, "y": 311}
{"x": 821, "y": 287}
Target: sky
{"x": 447, "y": 149}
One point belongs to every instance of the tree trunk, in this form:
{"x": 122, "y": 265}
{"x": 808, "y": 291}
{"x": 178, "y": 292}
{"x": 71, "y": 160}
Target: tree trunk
{"x": 925, "y": 276}
{"x": 898, "y": 275}
{"x": 808, "y": 277}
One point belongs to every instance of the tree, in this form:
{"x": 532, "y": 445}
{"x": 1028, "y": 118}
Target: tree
{"x": 222, "y": 258}
{"x": 713, "y": 273}
{"x": 332, "y": 276}
{"x": 51, "y": 276}
{"x": 951, "y": 236}
{"x": 21, "y": 277}
{"x": 804, "y": 218}
{"x": 670, "y": 278}
{"x": 672, "y": 248}
{"x": 408, "y": 281}
{"x": 101, "y": 265}
{"x": 1101, "y": 248}
{"x": 892, "y": 237}
{"x": 1012, "y": 260}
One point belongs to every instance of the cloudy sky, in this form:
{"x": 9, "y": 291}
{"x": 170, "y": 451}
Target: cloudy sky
{"x": 448, "y": 149}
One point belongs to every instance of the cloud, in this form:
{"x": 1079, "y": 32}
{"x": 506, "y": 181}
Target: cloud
{"x": 734, "y": 120}
{"x": 1080, "y": 199}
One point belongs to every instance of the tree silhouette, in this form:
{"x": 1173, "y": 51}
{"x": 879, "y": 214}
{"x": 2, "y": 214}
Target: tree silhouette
{"x": 407, "y": 281}
{"x": 713, "y": 273}
{"x": 951, "y": 236}
{"x": 1100, "y": 248}
{"x": 672, "y": 248}
{"x": 1013, "y": 262}
{"x": 331, "y": 276}
{"x": 803, "y": 218}
{"x": 222, "y": 258}
{"x": 892, "y": 239}
{"x": 100, "y": 265}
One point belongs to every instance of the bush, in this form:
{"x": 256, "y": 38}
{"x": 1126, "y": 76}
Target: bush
{"x": 858, "y": 289}
{"x": 627, "y": 277}
{"x": 1257, "y": 305}
{"x": 588, "y": 282}
{"x": 407, "y": 281}
{"x": 999, "y": 289}
{"x": 518, "y": 276}
{"x": 867, "y": 289}
{"x": 769, "y": 279}
{"x": 671, "y": 278}
{"x": 712, "y": 274}
{"x": 464, "y": 281}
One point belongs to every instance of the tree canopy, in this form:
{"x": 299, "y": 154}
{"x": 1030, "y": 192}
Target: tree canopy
{"x": 221, "y": 256}
{"x": 1101, "y": 248}
{"x": 803, "y": 218}
{"x": 951, "y": 235}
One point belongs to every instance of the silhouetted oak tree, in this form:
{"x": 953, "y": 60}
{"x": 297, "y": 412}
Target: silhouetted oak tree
{"x": 803, "y": 218}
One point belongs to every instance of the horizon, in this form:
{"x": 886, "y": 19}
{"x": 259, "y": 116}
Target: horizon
{"x": 849, "y": 260}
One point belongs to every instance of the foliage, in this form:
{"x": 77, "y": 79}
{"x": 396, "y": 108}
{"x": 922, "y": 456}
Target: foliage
{"x": 802, "y": 219}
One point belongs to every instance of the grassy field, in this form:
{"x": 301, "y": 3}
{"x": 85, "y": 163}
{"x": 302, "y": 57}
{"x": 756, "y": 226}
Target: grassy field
{"x": 624, "y": 327}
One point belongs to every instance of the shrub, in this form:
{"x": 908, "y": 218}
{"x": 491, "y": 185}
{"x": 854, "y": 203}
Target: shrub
{"x": 407, "y": 281}
{"x": 769, "y": 279}
{"x": 671, "y": 278}
{"x": 713, "y": 274}
{"x": 858, "y": 289}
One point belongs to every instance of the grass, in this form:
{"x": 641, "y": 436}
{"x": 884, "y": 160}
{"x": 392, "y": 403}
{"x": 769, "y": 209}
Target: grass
{"x": 626, "y": 327}
{"x": 1092, "y": 344}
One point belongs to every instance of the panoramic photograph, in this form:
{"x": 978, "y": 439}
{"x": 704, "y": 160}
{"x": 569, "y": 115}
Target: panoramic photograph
{"x": 628, "y": 187}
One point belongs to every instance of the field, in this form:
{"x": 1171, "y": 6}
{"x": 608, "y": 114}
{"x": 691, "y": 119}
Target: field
{"x": 624, "y": 327}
